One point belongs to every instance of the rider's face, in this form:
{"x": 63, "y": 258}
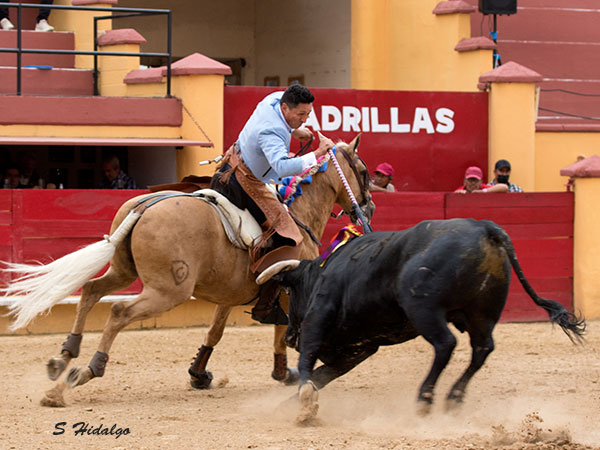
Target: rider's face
{"x": 295, "y": 117}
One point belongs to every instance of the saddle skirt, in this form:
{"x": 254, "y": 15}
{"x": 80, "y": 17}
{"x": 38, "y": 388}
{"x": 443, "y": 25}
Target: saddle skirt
{"x": 241, "y": 227}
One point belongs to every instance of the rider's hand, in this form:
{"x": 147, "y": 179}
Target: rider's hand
{"x": 324, "y": 145}
{"x": 302, "y": 134}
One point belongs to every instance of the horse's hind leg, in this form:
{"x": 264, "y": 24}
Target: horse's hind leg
{"x": 91, "y": 293}
{"x": 149, "y": 303}
{"x": 200, "y": 378}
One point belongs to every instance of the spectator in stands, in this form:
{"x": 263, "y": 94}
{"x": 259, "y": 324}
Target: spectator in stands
{"x": 474, "y": 184}
{"x": 12, "y": 178}
{"x": 502, "y": 174}
{"x": 115, "y": 178}
{"x": 382, "y": 178}
{"x": 41, "y": 21}
{"x": 30, "y": 178}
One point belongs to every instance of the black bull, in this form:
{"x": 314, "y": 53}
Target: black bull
{"x": 385, "y": 288}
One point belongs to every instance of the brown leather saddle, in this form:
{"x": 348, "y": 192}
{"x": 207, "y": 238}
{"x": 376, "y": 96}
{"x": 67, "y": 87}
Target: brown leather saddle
{"x": 191, "y": 183}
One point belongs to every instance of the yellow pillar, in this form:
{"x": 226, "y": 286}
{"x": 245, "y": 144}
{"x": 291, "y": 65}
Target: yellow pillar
{"x": 586, "y": 247}
{"x": 82, "y": 24}
{"x": 512, "y": 117}
{"x": 113, "y": 69}
{"x": 199, "y": 82}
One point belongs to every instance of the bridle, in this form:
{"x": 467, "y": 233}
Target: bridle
{"x": 357, "y": 212}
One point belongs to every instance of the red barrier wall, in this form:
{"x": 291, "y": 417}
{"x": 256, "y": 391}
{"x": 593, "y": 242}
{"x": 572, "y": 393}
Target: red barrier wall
{"x": 41, "y": 225}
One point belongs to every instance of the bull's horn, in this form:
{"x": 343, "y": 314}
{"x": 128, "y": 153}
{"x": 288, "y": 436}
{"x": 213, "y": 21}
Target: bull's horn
{"x": 320, "y": 135}
{"x": 274, "y": 269}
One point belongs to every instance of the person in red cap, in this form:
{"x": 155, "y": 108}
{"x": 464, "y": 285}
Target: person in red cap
{"x": 381, "y": 180}
{"x": 474, "y": 184}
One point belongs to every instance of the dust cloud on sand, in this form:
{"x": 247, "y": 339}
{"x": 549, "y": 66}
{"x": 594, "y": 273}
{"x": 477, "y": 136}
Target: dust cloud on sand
{"x": 536, "y": 391}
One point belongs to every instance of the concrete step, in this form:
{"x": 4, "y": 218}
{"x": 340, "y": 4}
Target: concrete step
{"x": 57, "y": 40}
{"x": 65, "y": 82}
{"x": 569, "y": 101}
{"x": 572, "y": 60}
{"x": 542, "y": 24}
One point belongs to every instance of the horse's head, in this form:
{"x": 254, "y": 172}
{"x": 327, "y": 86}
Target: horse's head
{"x": 357, "y": 175}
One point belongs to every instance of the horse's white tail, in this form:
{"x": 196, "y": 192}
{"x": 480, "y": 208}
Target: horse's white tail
{"x": 43, "y": 286}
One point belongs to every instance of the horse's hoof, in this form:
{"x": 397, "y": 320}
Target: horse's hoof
{"x": 77, "y": 377}
{"x": 292, "y": 377}
{"x": 55, "y": 366}
{"x": 201, "y": 381}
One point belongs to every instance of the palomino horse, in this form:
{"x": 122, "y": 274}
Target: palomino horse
{"x": 178, "y": 248}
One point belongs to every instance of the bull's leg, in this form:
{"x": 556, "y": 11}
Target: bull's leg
{"x": 91, "y": 293}
{"x": 432, "y": 326}
{"x": 482, "y": 345}
{"x": 200, "y": 378}
{"x": 346, "y": 361}
{"x": 148, "y": 304}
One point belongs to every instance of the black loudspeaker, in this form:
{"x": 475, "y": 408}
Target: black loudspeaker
{"x": 498, "y": 6}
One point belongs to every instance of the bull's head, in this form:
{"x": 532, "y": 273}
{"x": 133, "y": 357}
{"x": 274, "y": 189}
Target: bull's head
{"x": 297, "y": 278}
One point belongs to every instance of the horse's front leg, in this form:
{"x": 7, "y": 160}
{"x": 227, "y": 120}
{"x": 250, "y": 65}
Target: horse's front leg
{"x": 281, "y": 371}
{"x": 200, "y": 378}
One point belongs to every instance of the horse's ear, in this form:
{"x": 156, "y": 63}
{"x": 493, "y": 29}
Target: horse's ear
{"x": 354, "y": 144}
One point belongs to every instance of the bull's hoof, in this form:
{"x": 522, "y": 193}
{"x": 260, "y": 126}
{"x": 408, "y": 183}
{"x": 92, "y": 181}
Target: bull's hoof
{"x": 454, "y": 400}
{"x": 55, "y": 366}
{"x": 424, "y": 404}
{"x": 77, "y": 377}
{"x": 309, "y": 404}
{"x": 202, "y": 380}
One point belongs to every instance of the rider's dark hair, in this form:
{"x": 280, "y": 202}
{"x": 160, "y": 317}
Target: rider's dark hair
{"x": 296, "y": 94}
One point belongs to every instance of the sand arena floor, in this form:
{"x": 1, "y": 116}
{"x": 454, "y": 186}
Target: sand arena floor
{"x": 536, "y": 391}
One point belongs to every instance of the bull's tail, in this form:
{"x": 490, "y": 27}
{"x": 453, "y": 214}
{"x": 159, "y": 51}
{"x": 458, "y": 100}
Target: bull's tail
{"x": 573, "y": 326}
{"x": 43, "y": 286}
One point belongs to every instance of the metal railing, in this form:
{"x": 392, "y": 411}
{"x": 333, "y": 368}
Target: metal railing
{"x": 127, "y": 12}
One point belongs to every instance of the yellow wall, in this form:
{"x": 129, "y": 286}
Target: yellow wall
{"x": 191, "y": 313}
{"x": 90, "y": 131}
{"x": 402, "y": 45}
{"x": 511, "y": 130}
{"x": 202, "y": 96}
{"x": 113, "y": 69}
{"x": 586, "y": 270}
{"x": 82, "y": 24}
{"x": 557, "y": 150}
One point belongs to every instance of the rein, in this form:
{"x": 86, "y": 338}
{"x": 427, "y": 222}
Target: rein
{"x": 363, "y": 221}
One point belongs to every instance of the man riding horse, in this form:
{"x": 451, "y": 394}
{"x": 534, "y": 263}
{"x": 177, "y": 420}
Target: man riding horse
{"x": 259, "y": 156}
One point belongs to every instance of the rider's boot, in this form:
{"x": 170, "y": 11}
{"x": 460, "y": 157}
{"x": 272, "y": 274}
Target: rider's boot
{"x": 268, "y": 309}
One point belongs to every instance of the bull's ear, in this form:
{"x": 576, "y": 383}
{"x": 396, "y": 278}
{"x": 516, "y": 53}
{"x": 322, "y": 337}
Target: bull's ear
{"x": 271, "y": 271}
{"x": 353, "y": 146}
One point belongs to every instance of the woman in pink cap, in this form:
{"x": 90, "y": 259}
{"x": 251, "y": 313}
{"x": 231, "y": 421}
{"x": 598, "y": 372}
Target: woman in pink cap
{"x": 381, "y": 181}
{"x": 474, "y": 184}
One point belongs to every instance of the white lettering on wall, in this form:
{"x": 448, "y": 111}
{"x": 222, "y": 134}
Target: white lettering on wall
{"x": 398, "y": 127}
{"x": 375, "y": 125}
{"x": 444, "y": 118}
{"x": 331, "y": 118}
{"x": 351, "y": 118}
{"x": 422, "y": 121}
{"x": 366, "y": 119}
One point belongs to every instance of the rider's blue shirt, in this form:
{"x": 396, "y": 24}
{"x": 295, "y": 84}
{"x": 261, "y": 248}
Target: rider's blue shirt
{"x": 265, "y": 141}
